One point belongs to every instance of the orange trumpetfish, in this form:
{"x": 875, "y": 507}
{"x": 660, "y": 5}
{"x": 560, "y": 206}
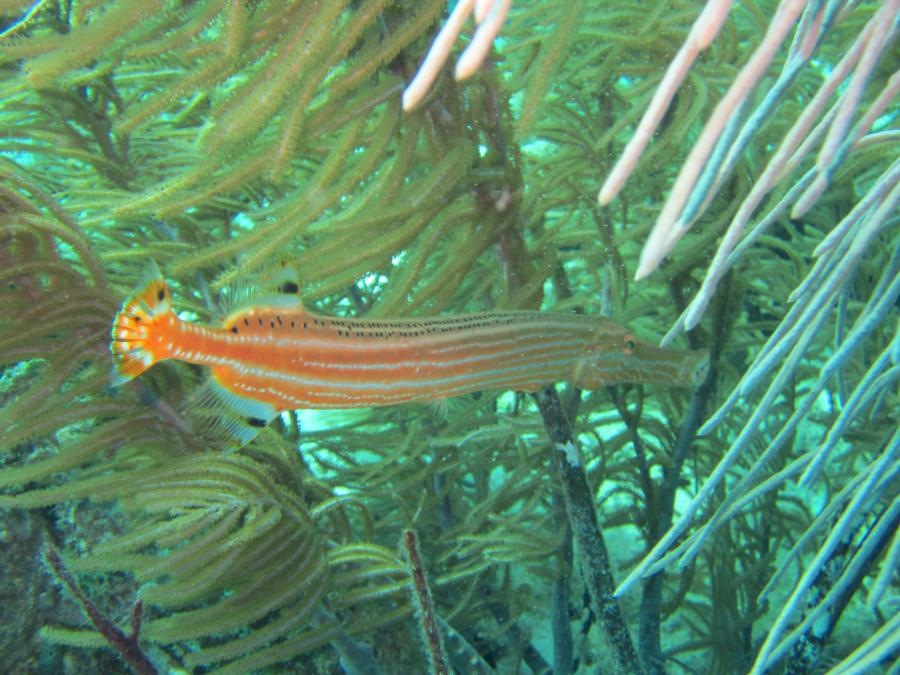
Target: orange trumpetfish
{"x": 270, "y": 354}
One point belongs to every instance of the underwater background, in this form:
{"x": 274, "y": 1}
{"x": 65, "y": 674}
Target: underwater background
{"x": 748, "y": 524}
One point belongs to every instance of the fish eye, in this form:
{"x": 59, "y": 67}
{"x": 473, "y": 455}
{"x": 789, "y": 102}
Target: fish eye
{"x": 629, "y": 343}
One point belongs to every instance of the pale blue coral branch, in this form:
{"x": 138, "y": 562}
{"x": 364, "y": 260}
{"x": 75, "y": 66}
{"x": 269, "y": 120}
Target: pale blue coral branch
{"x": 863, "y": 327}
{"x": 789, "y": 318}
{"x": 884, "y": 642}
{"x": 758, "y": 468}
{"x": 869, "y": 388}
{"x": 840, "y": 334}
{"x": 855, "y": 246}
{"x": 749, "y": 431}
{"x": 895, "y": 352}
{"x": 714, "y": 172}
{"x": 839, "y": 140}
{"x": 795, "y": 146}
{"x": 882, "y": 389}
{"x": 835, "y": 246}
{"x": 875, "y": 194}
{"x": 889, "y": 567}
{"x": 862, "y": 557}
{"x": 647, "y": 565}
{"x": 888, "y": 278}
{"x": 884, "y": 297}
{"x": 807, "y": 22}
{"x": 879, "y": 472}
{"x": 819, "y": 523}
{"x": 15, "y": 26}
{"x": 718, "y": 474}
{"x": 773, "y": 482}
{"x": 789, "y": 331}
{"x": 690, "y": 317}
{"x": 731, "y": 146}
{"x": 788, "y": 328}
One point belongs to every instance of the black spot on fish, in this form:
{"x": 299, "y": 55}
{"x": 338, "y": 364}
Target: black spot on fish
{"x": 246, "y": 322}
{"x": 288, "y": 287}
{"x": 162, "y": 294}
{"x": 234, "y": 329}
{"x": 256, "y": 422}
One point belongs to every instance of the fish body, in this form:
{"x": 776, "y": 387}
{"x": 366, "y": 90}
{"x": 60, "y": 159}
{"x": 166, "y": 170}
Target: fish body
{"x": 274, "y": 355}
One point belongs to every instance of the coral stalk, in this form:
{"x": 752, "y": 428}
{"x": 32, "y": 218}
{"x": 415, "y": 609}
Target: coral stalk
{"x": 425, "y": 615}
{"x": 594, "y": 557}
{"x": 128, "y": 646}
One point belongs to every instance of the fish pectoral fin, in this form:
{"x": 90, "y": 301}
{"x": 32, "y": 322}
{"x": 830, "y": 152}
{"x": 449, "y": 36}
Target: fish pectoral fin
{"x": 440, "y": 407}
{"x": 580, "y": 372}
{"x": 226, "y": 419}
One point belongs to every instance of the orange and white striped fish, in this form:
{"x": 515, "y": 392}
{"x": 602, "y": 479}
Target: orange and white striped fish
{"x": 271, "y": 355}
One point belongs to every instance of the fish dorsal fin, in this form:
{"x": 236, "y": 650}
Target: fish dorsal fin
{"x": 280, "y": 288}
{"x": 225, "y": 419}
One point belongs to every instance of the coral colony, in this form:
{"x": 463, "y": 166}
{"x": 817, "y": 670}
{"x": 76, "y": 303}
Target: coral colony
{"x": 415, "y": 336}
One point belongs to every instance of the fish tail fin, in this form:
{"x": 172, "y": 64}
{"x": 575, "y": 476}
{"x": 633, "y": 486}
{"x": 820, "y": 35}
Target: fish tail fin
{"x": 134, "y": 325}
